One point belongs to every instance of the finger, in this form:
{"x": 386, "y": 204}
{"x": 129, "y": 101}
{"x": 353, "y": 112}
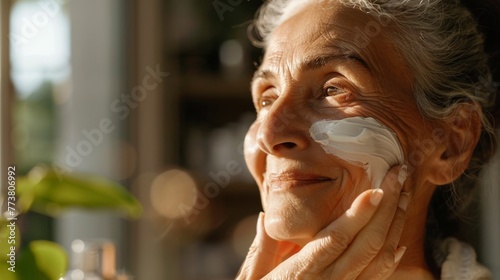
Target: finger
{"x": 391, "y": 253}
{"x": 398, "y": 255}
{"x": 331, "y": 242}
{"x": 260, "y": 259}
{"x": 389, "y": 273}
{"x": 370, "y": 240}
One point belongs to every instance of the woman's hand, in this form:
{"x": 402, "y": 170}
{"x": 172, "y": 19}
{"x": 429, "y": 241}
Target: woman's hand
{"x": 361, "y": 244}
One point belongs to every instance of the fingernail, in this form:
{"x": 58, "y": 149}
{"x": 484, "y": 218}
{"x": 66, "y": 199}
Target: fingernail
{"x": 399, "y": 253}
{"x": 376, "y": 197}
{"x": 403, "y": 200}
{"x": 403, "y": 172}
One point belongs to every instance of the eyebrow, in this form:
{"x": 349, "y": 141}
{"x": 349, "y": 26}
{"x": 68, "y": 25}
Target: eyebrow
{"x": 315, "y": 63}
{"x": 324, "y": 60}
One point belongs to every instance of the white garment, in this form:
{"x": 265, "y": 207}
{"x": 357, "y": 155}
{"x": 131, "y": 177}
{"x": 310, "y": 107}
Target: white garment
{"x": 460, "y": 262}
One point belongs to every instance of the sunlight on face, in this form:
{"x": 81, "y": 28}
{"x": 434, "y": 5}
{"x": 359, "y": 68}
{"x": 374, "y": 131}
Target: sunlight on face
{"x": 315, "y": 69}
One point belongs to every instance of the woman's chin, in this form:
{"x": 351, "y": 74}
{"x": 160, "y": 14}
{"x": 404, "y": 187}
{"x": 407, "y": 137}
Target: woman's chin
{"x": 283, "y": 228}
{"x": 298, "y": 215}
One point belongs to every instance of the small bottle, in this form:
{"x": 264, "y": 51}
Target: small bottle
{"x": 93, "y": 260}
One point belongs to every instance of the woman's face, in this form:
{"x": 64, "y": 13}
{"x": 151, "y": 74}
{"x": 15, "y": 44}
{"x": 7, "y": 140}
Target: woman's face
{"x": 324, "y": 62}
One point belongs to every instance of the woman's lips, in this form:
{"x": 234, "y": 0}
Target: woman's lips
{"x": 290, "y": 180}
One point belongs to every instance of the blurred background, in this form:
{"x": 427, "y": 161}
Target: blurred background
{"x": 153, "y": 94}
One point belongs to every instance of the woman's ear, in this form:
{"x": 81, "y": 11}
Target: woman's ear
{"x": 462, "y": 132}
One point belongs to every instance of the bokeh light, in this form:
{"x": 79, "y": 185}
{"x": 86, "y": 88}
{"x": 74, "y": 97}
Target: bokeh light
{"x": 231, "y": 53}
{"x": 173, "y": 194}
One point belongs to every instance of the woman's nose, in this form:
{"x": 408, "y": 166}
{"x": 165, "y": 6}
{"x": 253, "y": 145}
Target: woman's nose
{"x": 282, "y": 130}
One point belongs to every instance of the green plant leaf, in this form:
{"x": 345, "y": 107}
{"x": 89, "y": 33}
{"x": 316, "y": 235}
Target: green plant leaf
{"x": 48, "y": 192}
{"x": 5, "y": 273}
{"x": 42, "y": 260}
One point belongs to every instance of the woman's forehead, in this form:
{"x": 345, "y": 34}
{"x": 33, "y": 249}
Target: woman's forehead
{"x": 318, "y": 31}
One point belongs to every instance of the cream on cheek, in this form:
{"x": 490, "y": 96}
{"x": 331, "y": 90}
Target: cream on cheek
{"x": 361, "y": 141}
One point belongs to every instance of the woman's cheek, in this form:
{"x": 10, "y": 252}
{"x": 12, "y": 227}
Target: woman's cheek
{"x": 254, "y": 156}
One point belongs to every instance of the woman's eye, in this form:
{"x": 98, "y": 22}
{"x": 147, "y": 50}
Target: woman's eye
{"x": 332, "y": 91}
{"x": 266, "y": 99}
{"x": 338, "y": 93}
{"x": 264, "y": 102}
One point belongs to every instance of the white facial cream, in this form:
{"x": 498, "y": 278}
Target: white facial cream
{"x": 362, "y": 141}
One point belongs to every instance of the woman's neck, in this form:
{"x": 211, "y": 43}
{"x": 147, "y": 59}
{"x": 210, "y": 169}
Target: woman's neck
{"x": 413, "y": 265}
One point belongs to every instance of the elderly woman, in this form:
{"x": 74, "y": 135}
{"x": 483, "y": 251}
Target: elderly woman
{"x": 367, "y": 112}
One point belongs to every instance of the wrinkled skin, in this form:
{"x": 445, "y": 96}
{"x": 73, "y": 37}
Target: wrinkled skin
{"x": 331, "y": 64}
